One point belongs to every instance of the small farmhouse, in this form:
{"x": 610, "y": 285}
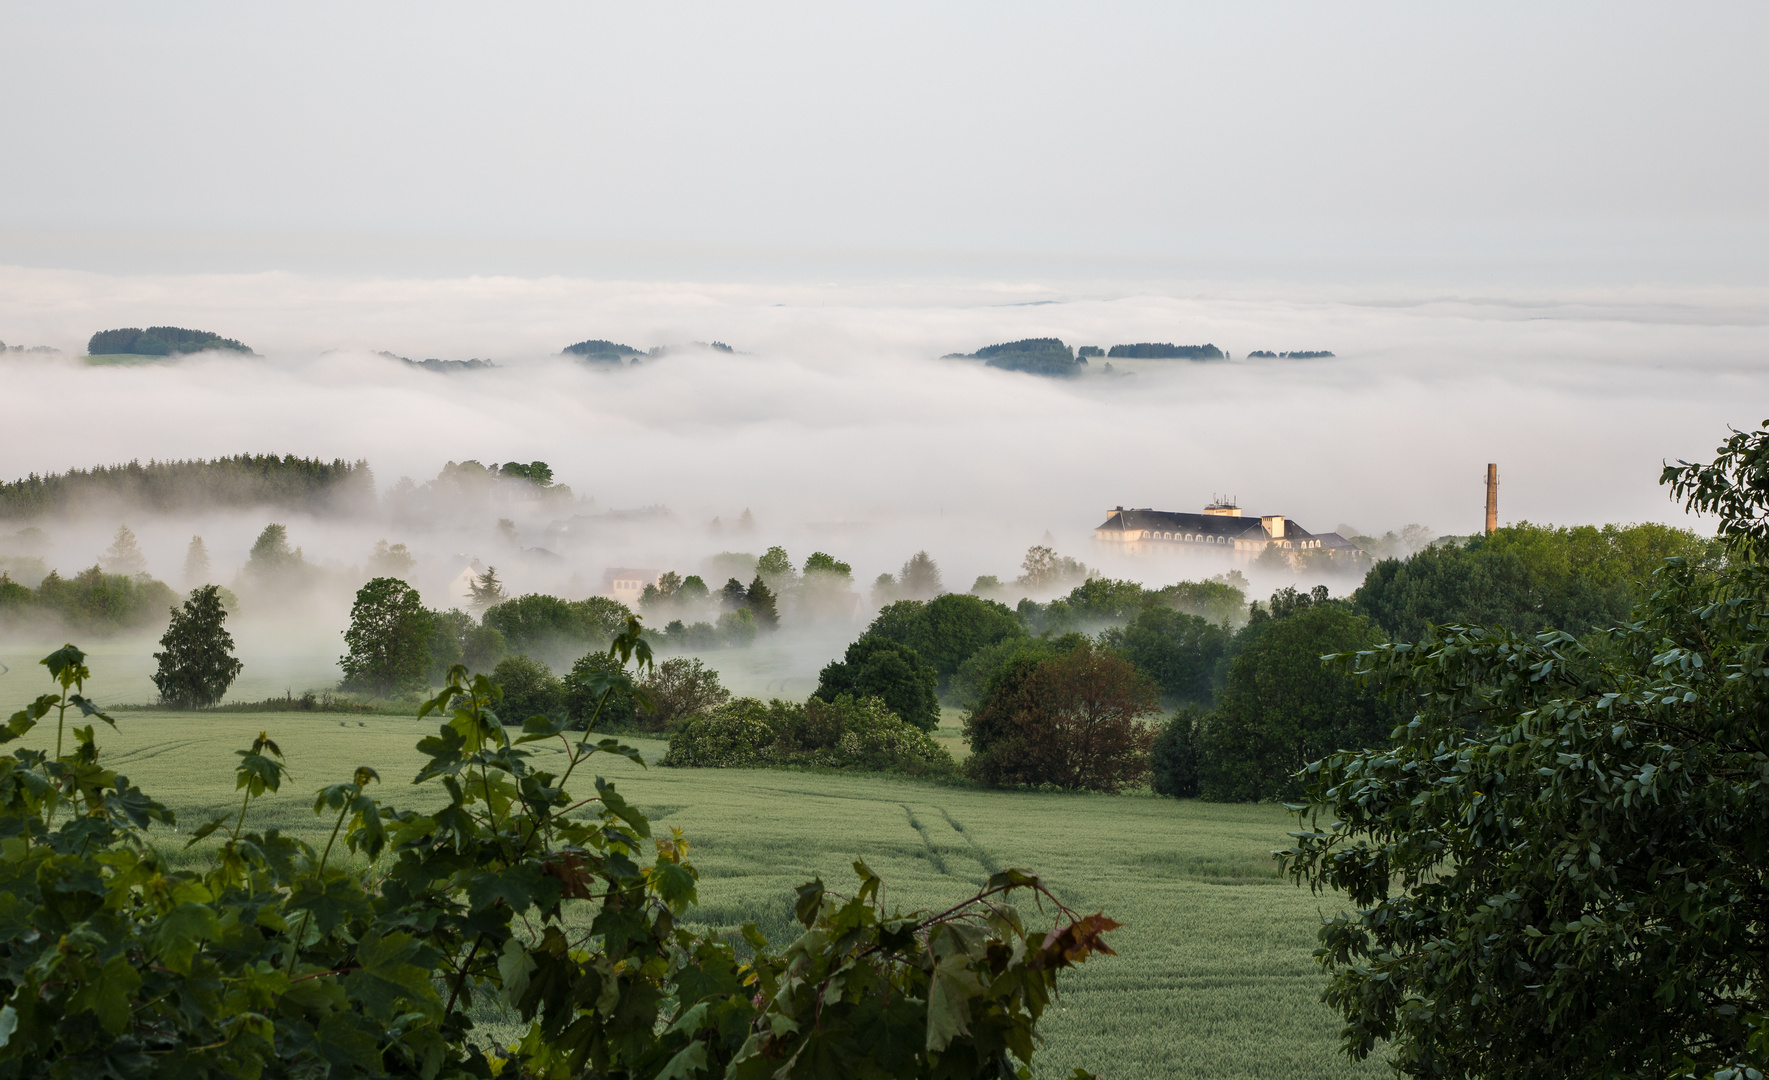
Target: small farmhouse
{"x": 1223, "y": 528}
{"x": 627, "y": 584}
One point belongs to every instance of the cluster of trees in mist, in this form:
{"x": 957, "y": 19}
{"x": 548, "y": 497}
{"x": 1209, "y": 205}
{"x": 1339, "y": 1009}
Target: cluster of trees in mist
{"x": 1051, "y": 356}
{"x": 160, "y": 341}
{"x": 308, "y": 485}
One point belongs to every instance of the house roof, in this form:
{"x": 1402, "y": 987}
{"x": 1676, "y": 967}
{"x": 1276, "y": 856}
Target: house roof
{"x": 1218, "y": 525}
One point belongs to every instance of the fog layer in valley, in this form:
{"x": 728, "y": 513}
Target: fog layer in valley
{"x": 837, "y": 427}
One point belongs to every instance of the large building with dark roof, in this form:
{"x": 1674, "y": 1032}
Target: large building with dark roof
{"x": 1222, "y": 527}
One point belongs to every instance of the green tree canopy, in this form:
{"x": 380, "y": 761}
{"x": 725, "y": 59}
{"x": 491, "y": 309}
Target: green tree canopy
{"x": 1073, "y": 720}
{"x": 888, "y": 670}
{"x": 548, "y": 627}
{"x": 388, "y": 639}
{"x": 1557, "y": 871}
{"x": 198, "y": 664}
{"x": 159, "y": 341}
{"x": 946, "y": 630}
{"x": 1281, "y": 708}
{"x": 1180, "y": 652}
{"x": 530, "y": 689}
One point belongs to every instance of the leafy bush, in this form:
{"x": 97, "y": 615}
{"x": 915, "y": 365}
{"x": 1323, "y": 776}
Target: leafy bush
{"x": 892, "y": 672}
{"x": 1557, "y": 869}
{"x": 1072, "y": 721}
{"x": 587, "y": 701}
{"x": 530, "y": 688}
{"x": 838, "y": 734}
{"x": 511, "y": 895}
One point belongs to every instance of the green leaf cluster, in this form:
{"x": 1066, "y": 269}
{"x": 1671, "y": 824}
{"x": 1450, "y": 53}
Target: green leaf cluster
{"x": 280, "y": 960}
{"x": 1557, "y": 869}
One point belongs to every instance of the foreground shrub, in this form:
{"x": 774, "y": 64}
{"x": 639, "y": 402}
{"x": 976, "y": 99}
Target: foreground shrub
{"x": 678, "y": 690}
{"x": 511, "y": 897}
{"x": 839, "y": 734}
{"x": 1557, "y": 870}
{"x": 1072, "y": 720}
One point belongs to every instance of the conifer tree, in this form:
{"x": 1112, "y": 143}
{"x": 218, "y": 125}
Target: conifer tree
{"x": 486, "y": 588}
{"x": 124, "y": 555}
{"x": 198, "y": 664}
{"x": 196, "y": 563}
{"x": 761, "y": 604}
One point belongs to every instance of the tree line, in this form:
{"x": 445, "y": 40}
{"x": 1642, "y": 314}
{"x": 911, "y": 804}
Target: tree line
{"x": 287, "y": 482}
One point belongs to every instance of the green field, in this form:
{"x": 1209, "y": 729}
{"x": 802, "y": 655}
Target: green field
{"x": 1214, "y": 977}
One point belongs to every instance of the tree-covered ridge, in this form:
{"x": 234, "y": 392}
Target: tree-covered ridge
{"x": 1149, "y": 350}
{"x": 1298, "y": 354}
{"x": 1035, "y": 356}
{"x": 160, "y": 341}
{"x": 287, "y": 482}
{"x": 600, "y": 350}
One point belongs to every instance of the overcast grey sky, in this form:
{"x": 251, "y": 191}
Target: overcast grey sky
{"x": 1590, "y": 136}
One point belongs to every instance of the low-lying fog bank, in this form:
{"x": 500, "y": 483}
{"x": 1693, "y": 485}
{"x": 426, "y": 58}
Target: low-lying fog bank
{"x": 836, "y": 426}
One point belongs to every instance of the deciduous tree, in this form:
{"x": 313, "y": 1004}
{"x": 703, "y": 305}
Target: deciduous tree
{"x": 1073, "y": 721}
{"x": 389, "y": 639}
{"x": 885, "y": 669}
{"x": 198, "y": 664}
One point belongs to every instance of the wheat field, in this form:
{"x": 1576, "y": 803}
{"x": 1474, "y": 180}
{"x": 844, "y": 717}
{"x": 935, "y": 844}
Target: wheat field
{"x": 1214, "y": 976}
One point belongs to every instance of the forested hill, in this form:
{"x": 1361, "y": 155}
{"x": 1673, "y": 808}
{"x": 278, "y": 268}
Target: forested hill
{"x": 288, "y": 482}
{"x": 159, "y": 341}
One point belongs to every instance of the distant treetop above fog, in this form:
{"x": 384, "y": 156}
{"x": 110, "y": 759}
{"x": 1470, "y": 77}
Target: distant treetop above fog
{"x": 1166, "y": 351}
{"x": 1299, "y": 354}
{"x": 160, "y": 341}
{"x": 611, "y": 352}
{"x": 1035, "y": 356}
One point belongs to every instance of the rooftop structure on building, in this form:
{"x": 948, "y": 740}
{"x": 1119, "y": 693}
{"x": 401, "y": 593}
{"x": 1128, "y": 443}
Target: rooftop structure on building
{"x": 1222, "y": 527}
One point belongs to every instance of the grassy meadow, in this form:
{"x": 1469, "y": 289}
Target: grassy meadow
{"x": 1214, "y": 976}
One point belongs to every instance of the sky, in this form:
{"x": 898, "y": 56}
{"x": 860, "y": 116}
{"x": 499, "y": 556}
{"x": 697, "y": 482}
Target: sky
{"x": 1593, "y": 141}
{"x": 1536, "y": 235}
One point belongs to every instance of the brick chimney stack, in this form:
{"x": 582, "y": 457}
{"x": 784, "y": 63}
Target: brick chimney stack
{"x": 1492, "y": 497}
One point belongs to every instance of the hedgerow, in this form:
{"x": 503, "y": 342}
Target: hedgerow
{"x": 839, "y": 734}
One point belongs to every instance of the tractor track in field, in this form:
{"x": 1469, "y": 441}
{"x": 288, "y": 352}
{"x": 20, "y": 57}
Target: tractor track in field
{"x": 933, "y": 855}
{"x": 151, "y": 750}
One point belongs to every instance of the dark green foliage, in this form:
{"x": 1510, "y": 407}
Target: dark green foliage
{"x": 946, "y": 630}
{"x": 601, "y": 351}
{"x": 538, "y": 473}
{"x": 247, "y": 480}
{"x": 547, "y": 626}
{"x": 1525, "y": 578}
{"x": 198, "y": 665}
{"x": 1180, "y": 652}
{"x": 13, "y": 595}
{"x": 93, "y": 601}
{"x": 389, "y": 640}
{"x": 1563, "y": 853}
{"x": 973, "y": 677}
{"x": 1281, "y": 708}
{"x": 888, "y": 670}
{"x": 821, "y": 562}
{"x": 530, "y": 688}
{"x": 1090, "y": 350}
{"x": 1221, "y": 600}
{"x": 1307, "y": 354}
{"x": 589, "y": 702}
{"x": 1035, "y": 356}
{"x": 842, "y": 733}
{"x": 678, "y": 690}
{"x": 760, "y": 600}
{"x": 1173, "y": 760}
{"x": 507, "y": 895}
{"x": 1165, "y": 351}
{"x": 1072, "y": 720}
{"x": 733, "y": 596}
{"x": 159, "y": 341}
